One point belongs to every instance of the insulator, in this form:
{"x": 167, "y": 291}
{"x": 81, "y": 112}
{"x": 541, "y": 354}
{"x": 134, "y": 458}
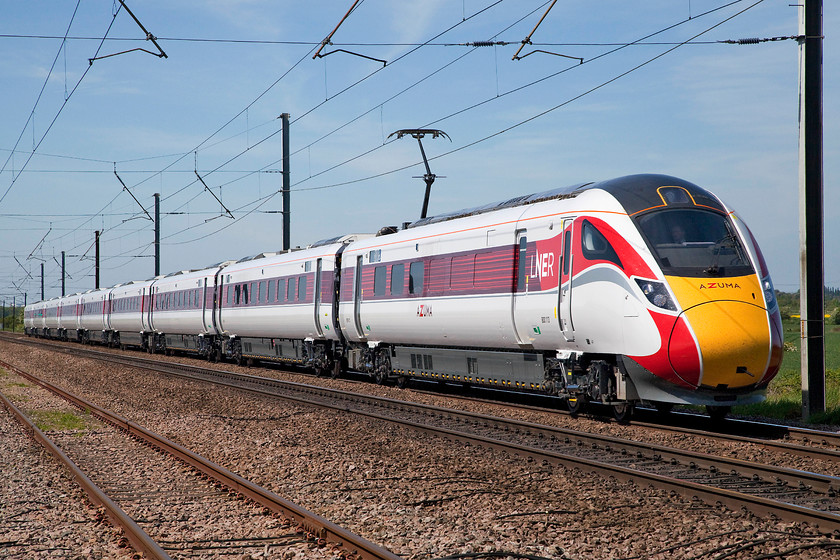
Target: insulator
{"x": 750, "y": 41}
{"x": 483, "y": 43}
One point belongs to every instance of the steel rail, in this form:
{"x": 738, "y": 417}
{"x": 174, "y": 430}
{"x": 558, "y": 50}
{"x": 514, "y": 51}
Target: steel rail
{"x": 774, "y": 437}
{"x": 138, "y": 538}
{"x": 769, "y": 437}
{"x": 311, "y": 522}
{"x": 820, "y": 483}
{"x": 734, "y": 500}
{"x": 827, "y": 520}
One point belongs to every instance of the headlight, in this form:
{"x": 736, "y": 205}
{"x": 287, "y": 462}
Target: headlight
{"x": 657, "y": 294}
{"x": 769, "y": 293}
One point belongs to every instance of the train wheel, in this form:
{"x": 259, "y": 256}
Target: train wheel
{"x": 575, "y": 405}
{"x": 623, "y": 412}
{"x": 402, "y": 382}
{"x": 717, "y": 413}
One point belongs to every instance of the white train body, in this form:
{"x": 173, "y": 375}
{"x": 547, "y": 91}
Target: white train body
{"x": 296, "y": 286}
{"x": 642, "y": 288}
{"x": 128, "y": 304}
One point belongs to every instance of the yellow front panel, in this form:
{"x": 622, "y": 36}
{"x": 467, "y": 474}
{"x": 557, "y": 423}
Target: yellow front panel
{"x": 730, "y": 322}
{"x": 734, "y": 341}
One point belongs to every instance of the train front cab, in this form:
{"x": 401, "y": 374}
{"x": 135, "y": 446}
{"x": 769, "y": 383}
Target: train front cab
{"x": 723, "y": 342}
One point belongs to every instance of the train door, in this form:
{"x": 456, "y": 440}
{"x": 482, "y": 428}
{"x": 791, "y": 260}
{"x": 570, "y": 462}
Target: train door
{"x": 206, "y": 314}
{"x": 150, "y": 316}
{"x": 219, "y": 301}
{"x": 520, "y": 289}
{"x": 537, "y": 264}
{"x": 566, "y": 271}
{"x": 317, "y": 306}
{"x": 107, "y": 309}
{"x": 144, "y": 303}
{"x": 357, "y": 297}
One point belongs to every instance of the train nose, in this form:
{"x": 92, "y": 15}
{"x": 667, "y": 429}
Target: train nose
{"x": 733, "y": 341}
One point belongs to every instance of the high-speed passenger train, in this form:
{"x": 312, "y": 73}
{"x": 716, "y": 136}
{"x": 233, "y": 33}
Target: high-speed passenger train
{"x": 645, "y": 288}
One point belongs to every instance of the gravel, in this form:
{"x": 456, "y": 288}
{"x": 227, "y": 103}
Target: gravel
{"x": 423, "y": 496}
{"x": 43, "y": 512}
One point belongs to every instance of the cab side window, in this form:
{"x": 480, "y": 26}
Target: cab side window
{"x": 595, "y": 246}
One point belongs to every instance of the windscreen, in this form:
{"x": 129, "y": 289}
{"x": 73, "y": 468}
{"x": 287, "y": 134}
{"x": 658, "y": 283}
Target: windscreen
{"x": 691, "y": 242}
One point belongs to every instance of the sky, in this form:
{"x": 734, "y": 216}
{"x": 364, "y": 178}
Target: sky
{"x": 623, "y": 88}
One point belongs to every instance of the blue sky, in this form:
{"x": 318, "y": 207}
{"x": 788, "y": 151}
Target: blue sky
{"x": 722, "y": 116}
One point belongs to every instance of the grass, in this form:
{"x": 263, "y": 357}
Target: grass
{"x": 784, "y": 395}
{"x": 56, "y": 420}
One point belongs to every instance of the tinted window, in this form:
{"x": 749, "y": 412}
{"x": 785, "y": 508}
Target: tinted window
{"x": 690, "y": 242}
{"x": 290, "y": 290}
{"x": 270, "y": 295}
{"x": 397, "y": 279}
{"x": 415, "y": 277}
{"x": 595, "y": 246}
{"x": 302, "y": 288}
{"x": 379, "y": 278}
{"x": 567, "y": 251}
{"x": 521, "y": 269}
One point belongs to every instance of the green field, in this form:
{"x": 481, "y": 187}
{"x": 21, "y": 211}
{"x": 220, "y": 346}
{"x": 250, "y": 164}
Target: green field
{"x": 784, "y": 396}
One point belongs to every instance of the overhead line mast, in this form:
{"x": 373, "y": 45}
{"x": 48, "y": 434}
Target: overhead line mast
{"x": 811, "y": 230}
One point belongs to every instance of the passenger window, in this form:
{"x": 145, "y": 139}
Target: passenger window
{"x": 260, "y": 292}
{"x": 397, "y": 279}
{"x": 567, "y": 251}
{"x": 595, "y": 246}
{"x": 521, "y": 267}
{"x": 302, "y": 288}
{"x": 415, "y": 277}
{"x": 379, "y": 276}
{"x": 290, "y": 290}
{"x": 270, "y": 295}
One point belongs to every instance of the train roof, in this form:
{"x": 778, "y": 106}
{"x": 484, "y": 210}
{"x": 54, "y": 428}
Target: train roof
{"x": 343, "y": 239}
{"x": 522, "y": 200}
{"x": 639, "y": 193}
{"x": 636, "y": 193}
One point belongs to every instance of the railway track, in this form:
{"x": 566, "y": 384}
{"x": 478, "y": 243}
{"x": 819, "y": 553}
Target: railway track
{"x": 786, "y": 493}
{"x": 806, "y": 442}
{"x": 169, "y": 511}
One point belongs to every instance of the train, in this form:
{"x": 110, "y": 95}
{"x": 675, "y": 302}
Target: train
{"x": 640, "y": 289}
